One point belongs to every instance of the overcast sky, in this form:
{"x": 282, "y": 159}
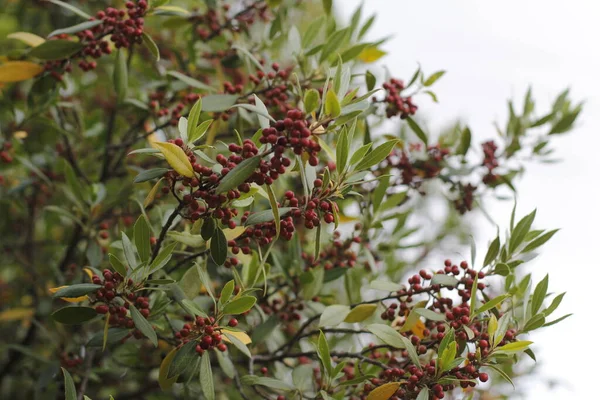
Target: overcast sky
{"x": 492, "y": 52}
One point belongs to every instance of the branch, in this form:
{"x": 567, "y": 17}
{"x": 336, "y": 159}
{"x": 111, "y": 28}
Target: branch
{"x": 165, "y": 229}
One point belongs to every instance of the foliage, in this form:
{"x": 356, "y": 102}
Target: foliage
{"x": 199, "y": 203}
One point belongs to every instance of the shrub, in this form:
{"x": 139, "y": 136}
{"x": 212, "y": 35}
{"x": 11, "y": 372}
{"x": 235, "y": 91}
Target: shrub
{"x": 200, "y": 202}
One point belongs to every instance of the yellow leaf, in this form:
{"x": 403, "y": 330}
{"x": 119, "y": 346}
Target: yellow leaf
{"x": 89, "y": 273}
{"x": 344, "y": 218}
{"x": 20, "y": 135}
{"x": 360, "y": 313}
{"x": 152, "y": 194}
{"x": 16, "y": 314}
{"x": 164, "y": 382}
{"x": 371, "y": 54}
{"x": 176, "y": 158}
{"x": 418, "y": 329}
{"x": 384, "y": 392}
{"x": 27, "y": 38}
{"x": 69, "y": 299}
{"x": 242, "y": 336}
{"x": 231, "y": 234}
{"x": 173, "y": 9}
{"x": 153, "y": 139}
{"x": 15, "y": 71}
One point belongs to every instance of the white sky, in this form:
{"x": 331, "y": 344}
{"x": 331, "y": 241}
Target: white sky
{"x": 492, "y": 51}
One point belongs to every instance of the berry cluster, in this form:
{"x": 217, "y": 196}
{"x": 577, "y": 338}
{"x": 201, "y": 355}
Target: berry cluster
{"x": 205, "y": 332}
{"x": 292, "y": 132}
{"x": 212, "y": 23}
{"x": 466, "y": 195}
{"x": 124, "y": 27}
{"x": 5, "y": 155}
{"x": 118, "y": 296}
{"x": 160, "y": 105}
{"x": 489, "y": 161}
{"x": 414, "y": 169}
{"x": 286, "y": 309}
{"x": 426, "y": 336}
{"x": 339, "y": 255}
{"x": 70, "y": 360}
{"x": 395, "y": 103}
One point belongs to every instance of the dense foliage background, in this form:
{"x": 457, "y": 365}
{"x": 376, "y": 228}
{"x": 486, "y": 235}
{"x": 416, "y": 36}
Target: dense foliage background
{"x": 210, "y": 186}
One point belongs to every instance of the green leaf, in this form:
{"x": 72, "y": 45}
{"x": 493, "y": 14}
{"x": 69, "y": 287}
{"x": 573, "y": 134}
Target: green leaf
{"x": 387, "y": 334}
{"x": 151, "y": 45}
{"x": 520, "y": 230}
{"x": 539, "y": 294}
{"x": 71, "y": 8}
{"x": 206, "y": 377}
{"x": 238, "y": 174}
{"x": 534, "y": 322}
{"x": 117, "y": 265}
{"x": 491, "y": 304}
{"x": 342, "y": 150}
{"x": 417, "y": 130}
{"x": 193, "y": 120}
{"x": 70, "y": 391}
{"x": 360, "y": 153}
{"x": 311, "y": 101}
{"x": 120, "y": 75}
{"x": 565, "y": 123}
{"x": 323, "y": 353}
{"x": 448, "y": 338}
{"x": 333, "y": 43}
{"x": 376, "y": 156}
{"x": 191, "y": 82}
{"x": 444, "y": 280}
{"x": 423, "y": 394}
{"x": 184, "y": 358}
{"x": 226, "y": 292}
{"x": 162, "y": 258}
{"x": 502, "y": 374}
{"x": 554, "y": 305}
{"x": 360, "y": 313}
{"x": 371, "y": 80}
{"x": 385, "y": 286}
{"x": 208, "y": 228}
{"x": 78, "y": 290}
{"x": 334, "y": 315}
{"x": 539, "y": 241}
{"x": 465, "y": 142}
{"x": 226, "y": 364}
{"x": 141, "y": 236}
{"x": 327, "y": 4}
{"x": 79, "y": 190}
{"x": 129, "y": 251}
{"x": 556, "y": 321}
{"x": 515, "y": 347}
{"x": 412, "y": 352}
{"x": 74, "y": 315}
{"x": 266, "y": 216}
{"x": 150, "y": 174}
{"x": 433, "y": 78}
{"x": 239, "y": 305}
{"x": 200, "y": 131}
{"x": 218, "y": 102}
{"x": 74, "y": 29}
{"x": 261, "y": 332}
{"x": 492, "y": 252}
{"x": 143, "y": 325}
{"x": 503, "y": 324}
{"x": 272, "y": 383}
{"x": 55, "y": 50}
{"x": 218, "y": 247}
{"x": 238, "y": 344}
{"x": 113, "y": 336}
{"x": 332, "y": 104}
{"x": 429, "y": 314}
